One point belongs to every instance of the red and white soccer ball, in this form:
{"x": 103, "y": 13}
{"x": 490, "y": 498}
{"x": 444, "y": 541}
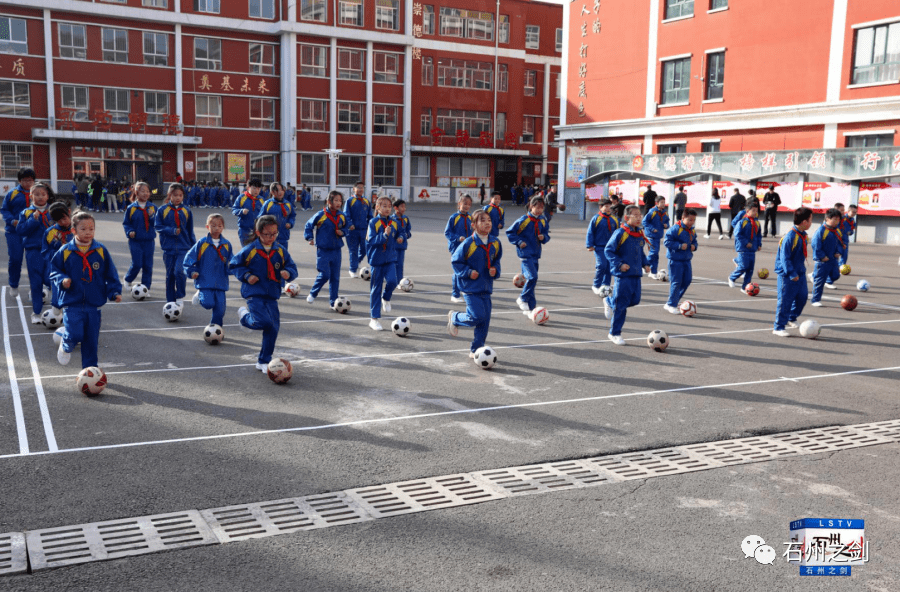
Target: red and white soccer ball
{"x": 91, "y": 381}
{"x": 292, "y": 290}
{"x": 279, "y": 370}
{"x": 752, "y": 289}
{"x": 518, "y": 280}
{"x": 540, "y": 315}
{"x": 688, "y": 308}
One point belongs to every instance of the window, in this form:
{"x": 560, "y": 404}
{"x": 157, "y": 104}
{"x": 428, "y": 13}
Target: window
{"x": 264, "y": 9}
{"x": 877, "y": 54}
{"x": 386, "y": 14}
{"x": 209, "y": 111}
{"x": 115, "y": 45}
{"x": 206, "y": 6}
{"x": 385, "y": 172}
{"x": 207, "y": 54}
{"x": 155, "y": 3}
{"x": 451, "y": 23}
{"x": 425, "y": 128}
{"x": 504, "y": 28}
{"x": 312, "y": 168}
{"x": 501, "y": 126}
{"x": 262, "y": 58}
{"x": 558, "y": 81}
{"x": 72, "y": 41}
{"x": 209, "y": 166}
{"x": 559, "y": 40}
{"x": 156, "y": 106}
{"x": 715, "y": 75}
{"x": 351, "y": 12}
{"x": 428, "y": 20}
{"x": 15, "y": 99}
{"x": 710, "y": 146}
{"x": 465, "y": 74}
{"x": 116, "y": 102}
{"x": 528, "y": 129}
{"x": 350, "y": 64}
{"x": 350, "y": 117}
{"x": 462, "y": 167}
{"x": 349, "y": 169}
{"x": 14, "y": 157}
{"x": 156, "y": 49}
{"x": 262, "y": 166}
{"x": 717, "y": 4}
{"x": 13, "y": 35}
{"x": 671, "y": 148}
{"x": 480, "y": 25}
{"x": 262, "y": 114}
{"x": 420, "y": 171}
{"x": 313, "y": 115}
{"x": 427, "y": 71}
{"x": 76, "y": 97}
{"x": 313, "y": 10}
{"x": 313, "y": 60}
{"x": 676, "y": 81}
{"x": 530, "y": 87}
{"x": 385, "y": 119}
{"x": 871, "y": 141}
{"x": 679, "y": 8}
{"x": 385, "y": 67}
{"x": 532, "y": 37}
{"x": 503, "y": 82}
{"x": 454, "y": 120}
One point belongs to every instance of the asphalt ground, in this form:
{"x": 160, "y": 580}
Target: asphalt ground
{"x": 186, "y": 425}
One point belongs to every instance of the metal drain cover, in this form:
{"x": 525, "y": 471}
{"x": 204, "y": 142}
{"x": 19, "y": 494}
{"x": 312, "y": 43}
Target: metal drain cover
{"x": 13, "y": 557}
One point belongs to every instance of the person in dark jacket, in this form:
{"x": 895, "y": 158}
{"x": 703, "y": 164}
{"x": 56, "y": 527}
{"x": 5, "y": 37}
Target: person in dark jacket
{"x": 771, "y": 200}
{"x": 649, "y": 201}
{"x": 680, "y": 203}
{"x": 736, "y": 204}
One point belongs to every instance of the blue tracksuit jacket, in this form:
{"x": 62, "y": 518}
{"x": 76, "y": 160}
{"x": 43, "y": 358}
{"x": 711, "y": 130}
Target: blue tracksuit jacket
{"x": 13, "y": 204}
{"x": 747, "y": 232}
{"x": 324, "y": 228}
{"x": 599, "y": 230}
{"x": 523, "y": 233}
{"x": 381, "y": 249}
{"x": 284, "y": 213}
{"x": 166, "y": 227}
{"x": 790, "y": 261}
{"x": 459, "y": 226}
{"x": 252, "y": 260}
{"x": 625, "y": 248}
{"x": 358, "y": 211}
{"x": 140, "y": 221}
{"x": 680, "y": 271}
{"x": 210, "y": 262}
{"x": 32, "y": 225}
{"x": 656, "y": 222}
{"x": 54, "y": 238}
{"x": 473, "y": 254}
{"x": 404, "y": 229}
{"x": 253, "y": 205}
{"x": 93, "y": 274}
{"x": 498, "y": 218}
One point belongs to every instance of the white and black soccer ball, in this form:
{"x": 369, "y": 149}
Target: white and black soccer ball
{"x": 342, "y": 304}
{"x": 688, "y": 308}
{"x": 139, "y": 291}
{"x": 51, "y": 318}
{"x": 365, "y": 273}
{"x": 605, "y": 291}
{"x": 810, "y": 328}
{"x": 407, "y": 285}
{"x": 292, "y": 290}
{"x": 213, "y": 334}
{"x": 662, "y": 275}
{"x": 401, "y": 326}
{"x": 172, "y": 311}
{"x": 46, "y": 294}
{"x": 658, "y": 340}
{"x": 485, "y": 357}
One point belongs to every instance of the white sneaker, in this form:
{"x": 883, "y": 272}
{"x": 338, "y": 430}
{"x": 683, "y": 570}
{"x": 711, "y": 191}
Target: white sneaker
{"x": 810, "y": 276}
{"x": 180, "y": 302}
{"x": 781, "y": 333}
{"x": 62, "y": 356}
{"x": 596, "y": 289}
{"x": 242, "y": 312}
{"x": 13, "y": 292}
{"x": 730, "y": 283}
{"x": 310, "y": 298}
{"x": 264, "y": 368}
{"x": 617, "y": 339}
{"x": 354, "y": 274}
{"x": 527, "y": 313}
{"x": 705, "y": 236}
{"x": 456, "y": 300}
{"x": 721, "y": 237}
{"x": 35, "y": 319}
{"x": 831, "y": 286}
{"x": 452, "y": 329}
{"x": 385, "y": 305}
{"x": 792, "y": 325}
{"x": 58, "y": 335}
{"x": 522, "y": 304}
{"x": 671, "y": 309}
{"x": 375, "y": 325}
{"x": 607, "y": 309}
{"x": 816, "y": 304}
{"x": 472, "y": 355}
{"x": 652, "y": 276}
{"x": 195, "y": 299}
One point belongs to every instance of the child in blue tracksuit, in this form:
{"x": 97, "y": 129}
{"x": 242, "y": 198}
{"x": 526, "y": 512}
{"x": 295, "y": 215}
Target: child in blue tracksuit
{"x": 86, "y": 278}
{"x": 15, "y": 201}
{"x": 329, "y": 226}
{"x": 828, "y": 249}
{"x": 306, "y": 198}
{"x": 247, "y": 208}
{"x": 458, "y": 229}
{"x": 599, "y": 230}
{"x": 233, "y": 193}
{"x": 498, "y": 216}
{"x": 54, "y": 239}
{"x": 790, "y": 265}
{"x": 223, "y": 196}
{"x": 263, "y": 267}
{"x": 681, "y": 242}
{"x": 140, "y": 229}
{"x": 33, "y": 223}
{"x": 848, "y": 229}
{"x": 747, "y": 241}
{"x": 207, "y": 264}
{"x": 625, "y": 253}
{"x": 283, "y": 210}
{"x": 656, "y": 223}
{"x": 175, "y": 226}
{"x": 476, "y": 263}
{"x": 381, "y": 250}
{"x": 358, "y": 212}
{"x": 404, "y": 231}
{"x": 528, "y": 234}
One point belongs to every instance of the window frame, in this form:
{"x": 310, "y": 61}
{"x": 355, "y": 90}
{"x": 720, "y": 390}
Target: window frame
{"x": 350, "y": 177}
{"x": 867, "y": 141}
{"x": 259, "y": 67}
{"x": 427, "y": 71}
{"x": 208, "y": 174}
{"x": 392, "y": 11}
{"x": 210, "y": 63}
{"x": 207, "y": 119}
{"x": 529, "y": 90}
{"x": 155, "y": 3}
{"x": 559, "y": 40}
{"x": 680, "y": 7}
{"x": 717, "y": 5}
{"x": 890, "y": 70}
{"x": 119, "y": 115}
{"x": 504, "y": 29}
{"x": 381, "y": 162}
{"x": 382, "y": 117}
{"x": 385, "y": 74}
{"x": 708, "y": 146}
{"x": 674, "y": 92}
{"x": 350, "y": 126}
{"x": 78, "y": 52}
{"x": 259, "y": 172}
{"x": 261, "y": 6}
{"x": 361, "y": 54}
{"x": 343, "y": 7}
{"x": 14, "y": 108}
{"x": 314, "y": 7}
{"x": 715, "y": 79}
{"x": 428, "y": 19}
{"x": 317, "y": 161}
{"x": 17, "y": 152}
{"x": 116, "y": 55}
{"x": 9, "y": 46}
{"x": 425, "y": 122}
{"x": 471, "y": 121}
{"x": 313, "y": 123}
{"x": 532, "y": 37}
{"x": 153, "y": 37}
{"x": 502, "y": 78}
{"x": 310, "y": 68}
{"x": 81, "y": 113}
{"x": 261, "y": 121}
{"x": 207, "y": 6}
{"x": 469, "y": 74}
{"x": 156, "y": 117}
{"x": 529, "y": 135}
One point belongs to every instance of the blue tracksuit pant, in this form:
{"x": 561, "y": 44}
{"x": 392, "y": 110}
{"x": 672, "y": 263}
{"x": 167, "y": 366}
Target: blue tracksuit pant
{"x": 823, "y": 273}
{"x": 16, "y": 248}
{"x": 264, "y": 316}
{"x": 626, "y": 292}
{"x": 477, "y": 315}
{"x": 356, "y": 245}
{"x": 246, "y": 236}
{"x": 530, "y": 271}
{"x": 401, "y": 259}
{"x": 328, "y": 264}
{"x": 36, "y": 273}
{"x": 141, "y": 261}
{"x": 386, "y": 273}
{"x": 791, "y": 300}
{"x": 81, "y": 324}
{"x": 653, "y": 255}
{"x": 680, "y": 277}
{"x": 455, "y": 291}
{"x": 745, "y": 264}
{"x": 602, "y": 277}
{"x": 214, "y": 300}
{"x": 175, "y": 276}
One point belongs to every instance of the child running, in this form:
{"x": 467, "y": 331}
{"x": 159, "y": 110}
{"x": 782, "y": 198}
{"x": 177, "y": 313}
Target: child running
{"x": 458, "y": 229}
{"x": 404, "y": 231}
{"x": 828, "y": 249}
{"x": 358, "y": 212}
{"x": 140, "y": 229}
{"x": 329, "y": 226}
{"x": 656, "y": 223}
{"x": 790, "y": 265}
{"x": 625, "y": 253}
{"x": 33, "y": 223}
{"x": 207, "y": 264}
{"x": 247, "y": 208}
{"x": 498, "y": 219}
{"x": 681, "y": 242}
{"x": 15, "y": 201}
{"x": 747, "y": 241}
{"x": 54, "y": 239}
{"x": 381, "y": 250}
{"x": 529, "y": 233}
{"x": 175, "y": 226}
{"x": 283, "y": 210}
{"x": 599, "y": 230}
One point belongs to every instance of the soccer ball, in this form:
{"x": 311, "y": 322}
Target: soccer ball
{"x": 662, "y": 275}
{"x": 213, "y": 334}
{"x": 763, "y": 273}
{"x": 752, "y": 289}
{"x": 401, "y": 326}
{"x": 51, "y": 319}
{"x": 279, "y": 370}
{"x": 342, "y": 305}
{"x": 810, "y": 329}
{"x": 172, "y": 311}
{"x": 605, "y": 291}
{"x": 292, "y": 290}
{"x": 540, "y": 315}
{"x": 485, "y": 357}
{"x": 407, "y": 285}
{"x": 849, "y": 302}
{"x": 561, "y": 207}
{"x": 518, "y": 280}
{"x": 46, "y": 294}
{"x": 862, "y": 285}
{"x": 658, "y": 340}
{"x": 365, "y": 273}
{"x": 845, "y": 269}
{"x": 688, "y": 308}
{"x": 139, "y": 291}
{"x": 91, "y": 381}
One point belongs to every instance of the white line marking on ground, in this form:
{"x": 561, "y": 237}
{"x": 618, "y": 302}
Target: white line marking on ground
{"x": 13, "y": 382}
{"x": 38, "y": 386}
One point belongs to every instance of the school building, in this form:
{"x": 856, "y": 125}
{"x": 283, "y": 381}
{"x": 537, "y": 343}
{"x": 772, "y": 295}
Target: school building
{"x": 802, "y": 95}
{"x": 396, "y": 93}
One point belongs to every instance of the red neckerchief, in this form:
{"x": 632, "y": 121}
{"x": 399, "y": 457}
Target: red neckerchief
{"x": 219, "y": 251}
{"x": 802, "y": 236}
{"x": 85, "y": 264}
{"x": 608, "y": 219}
{"x": 45, "y": 221}
{"x": 850, "y": 221}
{"x": 268, "y": 257}
{"x": 838, "y": 234}
{"x": 64, "y": 234}
{"x": 284, "y": 211}
{"x": 400, "y": 221}
{"x": 754, "y": 228}
{"x": 252, "y": 200}
{"x": 465, "y": 223}
{"x": 537, "y": 224}
{"x": 634, "y": 233}
{"x": 27, "y": 197}
{"x": 690, "y": 229}
{"x": 146, "y": 216}
{"x": 385, "y": 223}
{"x": 177, "y": 210}
{"x": 487, "y": 250}
{"x": 330, "y": 216}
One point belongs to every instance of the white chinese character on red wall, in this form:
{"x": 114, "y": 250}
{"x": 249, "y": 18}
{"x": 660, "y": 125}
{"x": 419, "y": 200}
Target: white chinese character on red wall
{"x": 417, "y": 9}
{"x": 596, "y": 27}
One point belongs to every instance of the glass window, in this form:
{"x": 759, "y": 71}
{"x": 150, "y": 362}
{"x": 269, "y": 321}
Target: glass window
{"x": 15, "y": 99}
{"x": 72, "y": 41}
{"x": 710, "y": 146}
{"x": 262, "y": 166}
{"x": 465, "y": 74}
{"x": 14, "y": 157}
{"x": 13, "y": 35}
{"x": 385, "y": 119}
{"x": 156, "y": 106}
{"x": 678, "y": 8}
{"x": 115, "y": 45}
{"x": 479, "y": 25}
{"x": 427, "y": 71}
{"x": 504, "y": 28}
{"x": 557, "y": 85}
{"x": 209, "y": 166}
{"x": 264, "y": 9}
{"x": 155, "y": 3}
{"x": 532, "y": 37}
{"x": 312, "y": 168}
{"x": 349, "y": 169}
{"x": 385, "y": 67}
{"x": 671, "y": 148}
{"x": 528, "y": 129}
{"x": 385, "y": 172}
{"x": 351, "y": 64}
{"x": 451, "y": 22}
{"x": 386, "y": 14}
{"x": 559, "y": 40}
{"x": 206, "y": 6}
{"x": 877, "y": 54}
{"x": 454, "y": 120}
{"x": 715, "y": 75}
{"x": 530, "y": 88}
{"x": 262, "y": 58}
{"x": 313, "y": 115}
{"x": 503, "y": 83}
{"x": 351, "y": 13}
{"x": 676, "y": 81}
{"x": 313, "y": 60}
{"x": 428, "y": 20}
{"x": 313, "y": 10}
{"x": 116, "y": 102}
{"x": 76, "y": 97}
{"x": 872, "y": 141}
{"x": 207, "y": 54}
{"x": 209, "y": 111}
{"x": 420, "y": 171}
{"x": 501, "y": 126}
{"x": 262, "y": 114}
{"x": 425, "y": 128}
{"x": 156, "y": 49}
{"x": 350, "y": 117}
{"x": 714, "y": 4}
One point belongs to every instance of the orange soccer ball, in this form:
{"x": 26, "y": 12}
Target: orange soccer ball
{"x": 849, "y": 302}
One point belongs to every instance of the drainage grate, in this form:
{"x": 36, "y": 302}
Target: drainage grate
{"x": 886, "y": 429}
{"x": 13, "y": 557}
{"x": 548, "y": 477}
{"x": 55, "y": 547}
{"x": 253, "y": 521}
{"x": 424, "y": 494}
{"x": 748, "y": 450}
{"x": 830, "y": 439}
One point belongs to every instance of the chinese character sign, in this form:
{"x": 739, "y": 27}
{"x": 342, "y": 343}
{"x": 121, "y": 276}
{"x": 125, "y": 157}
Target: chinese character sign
{"x": 825, "y": 545}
